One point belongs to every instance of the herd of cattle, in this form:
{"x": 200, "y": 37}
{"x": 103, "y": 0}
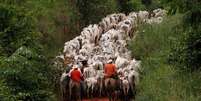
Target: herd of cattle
{"x": 107, "y": 40}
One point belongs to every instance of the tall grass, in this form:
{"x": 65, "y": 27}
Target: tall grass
{"x": 161, "y": 81}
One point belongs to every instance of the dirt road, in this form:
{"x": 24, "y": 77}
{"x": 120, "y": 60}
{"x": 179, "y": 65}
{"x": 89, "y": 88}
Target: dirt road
{"x": 96, "y": 99}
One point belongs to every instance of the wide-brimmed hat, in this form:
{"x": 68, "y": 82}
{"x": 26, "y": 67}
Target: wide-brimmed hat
{"x": 75, "y": 66}
{"x": 109, "y": 61}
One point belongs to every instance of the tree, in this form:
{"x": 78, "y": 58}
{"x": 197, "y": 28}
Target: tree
{"x": 92, "y": 11}
{"x": 188, "y": 50}
{"x": 24, "y": 70}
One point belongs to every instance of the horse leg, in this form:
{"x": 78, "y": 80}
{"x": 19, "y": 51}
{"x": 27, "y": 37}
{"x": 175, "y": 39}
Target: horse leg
{"x": 92, "y": 90}
{"x": 87, "y": 92}
{"x": 100, "y": 89}
{"x": 113, "y": 86}
{"x": 78, "y": 91}
{"x": 66, "y": 92}
{"x": 72, "y": 85}
{"x": 134, "y": 91}
{"x": 107, "y": 86}
{"x": 62, "y": 93}
{"x": 125, "y": 90}
{"x": 110, "y": 91}
{"x": 81, "y": 90}
{"x": 70, "y": 90}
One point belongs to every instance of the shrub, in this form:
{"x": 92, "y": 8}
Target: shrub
{"x": 24, "y": 72}
{"x": 160, "y": 80}
{"x": 156, "y": 37}
{"x": 92, "y": 11}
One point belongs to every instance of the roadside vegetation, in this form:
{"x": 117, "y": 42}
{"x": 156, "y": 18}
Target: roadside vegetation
{"x": 170, "y": 54}
{"x": 160, "y": 79}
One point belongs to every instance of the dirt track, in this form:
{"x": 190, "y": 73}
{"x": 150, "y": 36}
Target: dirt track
{"x": 96, "y": 99}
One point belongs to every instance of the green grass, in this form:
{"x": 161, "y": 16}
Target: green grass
{"x": 161, "y": 81}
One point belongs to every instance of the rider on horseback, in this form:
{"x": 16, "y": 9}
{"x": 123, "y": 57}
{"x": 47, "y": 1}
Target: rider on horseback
{"x": 76, "y": 77}
{"x": 110, "y": 75}
{"x": 76, "y": 74}
{"x": 110, "y": 70}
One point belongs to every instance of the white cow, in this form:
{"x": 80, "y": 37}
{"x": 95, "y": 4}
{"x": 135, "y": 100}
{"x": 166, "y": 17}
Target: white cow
{"x": 133, "y": 15}
{"x": 121, "y": 62}
{"x": 133, "y": 78}
{"x": 142, "y": 16}
{"x": 111, "y": 21}
{"x": 89, "y": 72}
{"x": 126, "y": 86}
{"x": 100, "y": 80}
{"x": 159, "y": 12}
{"x": 91, "y": 84}
{"x": 135, "y": 65}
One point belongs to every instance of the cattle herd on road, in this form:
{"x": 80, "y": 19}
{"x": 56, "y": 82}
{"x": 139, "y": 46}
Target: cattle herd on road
{"x": 101, "y": 42}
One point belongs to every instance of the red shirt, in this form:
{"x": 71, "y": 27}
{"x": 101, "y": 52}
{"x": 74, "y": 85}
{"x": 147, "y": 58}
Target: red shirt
{"x": 76, "y": 75}
{"x": 110, "y": 69}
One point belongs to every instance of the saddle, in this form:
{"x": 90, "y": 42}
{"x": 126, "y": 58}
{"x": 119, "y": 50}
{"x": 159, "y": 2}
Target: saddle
{"x": 114, "y": 76}
{"x": 74, "y": 84}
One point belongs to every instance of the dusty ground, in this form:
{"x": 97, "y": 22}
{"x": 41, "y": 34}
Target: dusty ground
{"x": 96, "y": 99}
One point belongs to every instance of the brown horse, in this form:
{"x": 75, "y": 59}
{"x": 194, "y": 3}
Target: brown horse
{"x": 64, "y": 81}
{"x": 74, "y": 91}
{"x": 110, "y": 84}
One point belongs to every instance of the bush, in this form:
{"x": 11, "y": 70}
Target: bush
{"x": 187, "y": 51}
{"x": 155, "y": 38}
{"x": 5, "y": 94}
{"x": 130, "y": 6}
{"x": 24, "y": 70}
{"x": 92, "y": 11}
{"x": 161, "y": 81}
{"x": 15, "y": 29}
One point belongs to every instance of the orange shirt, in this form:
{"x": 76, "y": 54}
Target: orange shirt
{"x": 110, "y": 69}
{"x": 76, "y": 75}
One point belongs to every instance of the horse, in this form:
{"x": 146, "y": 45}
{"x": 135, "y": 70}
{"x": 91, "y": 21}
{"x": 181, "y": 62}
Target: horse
{"x": 110, "y": 84}
{"x": 63, "y": 89}
{"x": 64, "y": 81}
{"x": 74, "y": 91}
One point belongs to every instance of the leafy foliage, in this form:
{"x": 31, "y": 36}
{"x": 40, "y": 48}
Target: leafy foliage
{"x": 26, "y": 76}
{"x": 160, "y": 80}
{"x": 128, "y": 6}
{"x": 155, "y": 37}
{"x": 188, "y": 48}
{"x": 16, "y": 29}
{"x": 92, "y": 11}
{"x": 23, "y": 66}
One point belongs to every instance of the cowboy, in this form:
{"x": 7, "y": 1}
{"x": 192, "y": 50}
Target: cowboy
{"x": 110, "y": 75}
{"x": 76, "y": 77}
{"x": 110, "y": 69}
